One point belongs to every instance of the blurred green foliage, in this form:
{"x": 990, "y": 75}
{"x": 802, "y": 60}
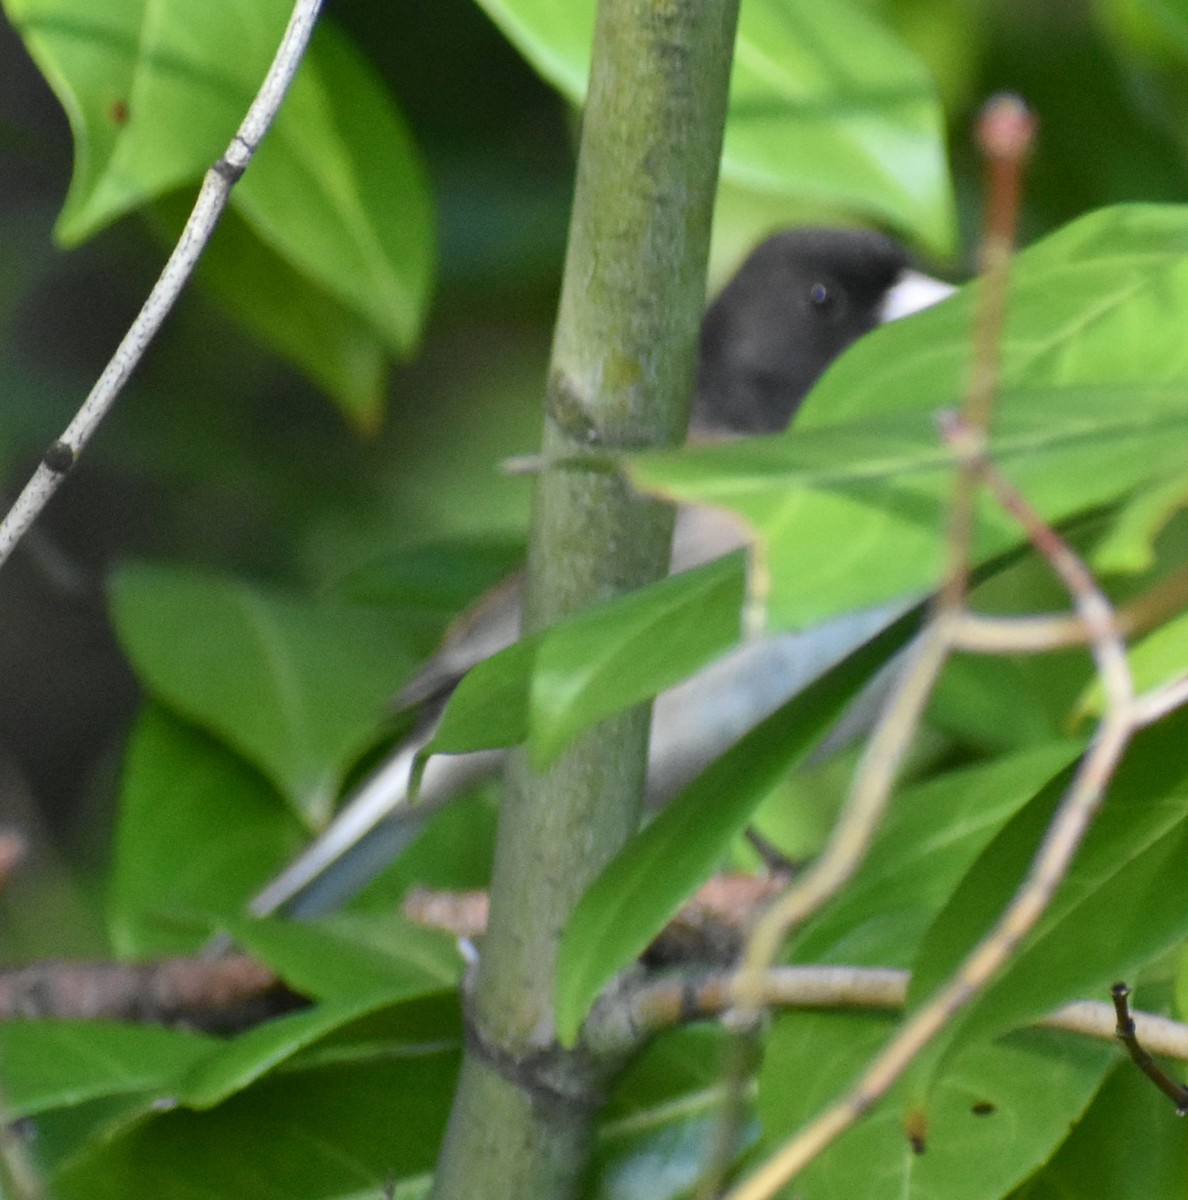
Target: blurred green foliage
{"x": 318, "y": 513}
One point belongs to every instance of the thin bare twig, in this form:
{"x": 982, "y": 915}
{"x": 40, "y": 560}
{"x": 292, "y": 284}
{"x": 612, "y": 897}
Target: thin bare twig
{"x": 1097, "y": 1020}
{"x": 847, "y": 846}
{"x": 981, "y": 634}
{"x": 1006, "y": 131}
{"x": 1049, "y": 867}
{"x": 212, "y": 200}
{"x": 860, "y": 818}
{"x": 1007, "y": 145}
{"x": 649, "y": 1007}
{"x": 1128, "y": 1036}
{"x": 1092, "y": 605}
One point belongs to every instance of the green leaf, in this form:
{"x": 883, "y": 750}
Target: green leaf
{"x": 998, "y": 704}
{"x": 1004, "y": 703}
{"x": 933, "y": 833}
{"x": 344, "y": 956}
{"x": 489, "y": 708}
{"x": 338, "y": 191}
{"x": 1156, "y": 29}
{"x": 153, "y": 96}
{"x": 405, "y": 1028}
{"x": 825, "y": 106}
{"x": 1130, "y": 544}
{"x": 198, "y": 833}
{"x": 1122, "y": 1148}
{"x": 299, "y": 688}
{"x": 53, "y": 1064}
{"x": 1088, "y": 306}
{"x": 442, "y": 576}
{"x": 246, "y": 1058}
{"x": 657, "y": 1129}
{"x": 630, "y": 649}
{"x": 340, "y": 1132}
{"x": 154, "y": 93}
{"x": 62, "y": 1133}
{"x": 849, "y": 505}
{"x": 646, "y": 884}
{"x": 851, "y": 516}
{"x": 552, "y": 686}
{"x": 999, "y": 1112}
{"x": 1120, "y": 907}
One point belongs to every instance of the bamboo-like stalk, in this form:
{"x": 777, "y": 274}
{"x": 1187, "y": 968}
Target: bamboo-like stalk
{"x": 621, "y": 376}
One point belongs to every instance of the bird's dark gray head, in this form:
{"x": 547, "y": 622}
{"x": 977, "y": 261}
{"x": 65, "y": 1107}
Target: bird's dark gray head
{"x": 796, "y": 303}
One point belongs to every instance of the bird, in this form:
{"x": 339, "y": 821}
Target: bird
{"x": 799, "y": 299}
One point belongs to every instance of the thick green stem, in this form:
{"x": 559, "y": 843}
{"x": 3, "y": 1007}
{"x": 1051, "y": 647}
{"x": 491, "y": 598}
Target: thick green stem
{"x": 624, "y": 358}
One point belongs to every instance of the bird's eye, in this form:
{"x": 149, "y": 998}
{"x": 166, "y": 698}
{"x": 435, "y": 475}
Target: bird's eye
{"x": 820, "y": 296}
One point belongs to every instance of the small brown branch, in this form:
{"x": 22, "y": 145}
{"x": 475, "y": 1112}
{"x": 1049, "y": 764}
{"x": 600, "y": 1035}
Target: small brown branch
{"x": 848, "y": 843}
{"x": 1127, "y": 1035}
{"x": 462, "y": 914}
{"x": 218, "y": 994}
{"x": 655, "y": 1004}
{"x": 977, "y": 633}
{"x": 1092, "y": 605}
{"x": 1006, "y": 131}
{"x": 652, "y": 1005}
{"x": 1006, "y": 135}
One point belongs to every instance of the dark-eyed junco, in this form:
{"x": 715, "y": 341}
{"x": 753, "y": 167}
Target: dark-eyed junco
{"x": 797, "y": 302}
